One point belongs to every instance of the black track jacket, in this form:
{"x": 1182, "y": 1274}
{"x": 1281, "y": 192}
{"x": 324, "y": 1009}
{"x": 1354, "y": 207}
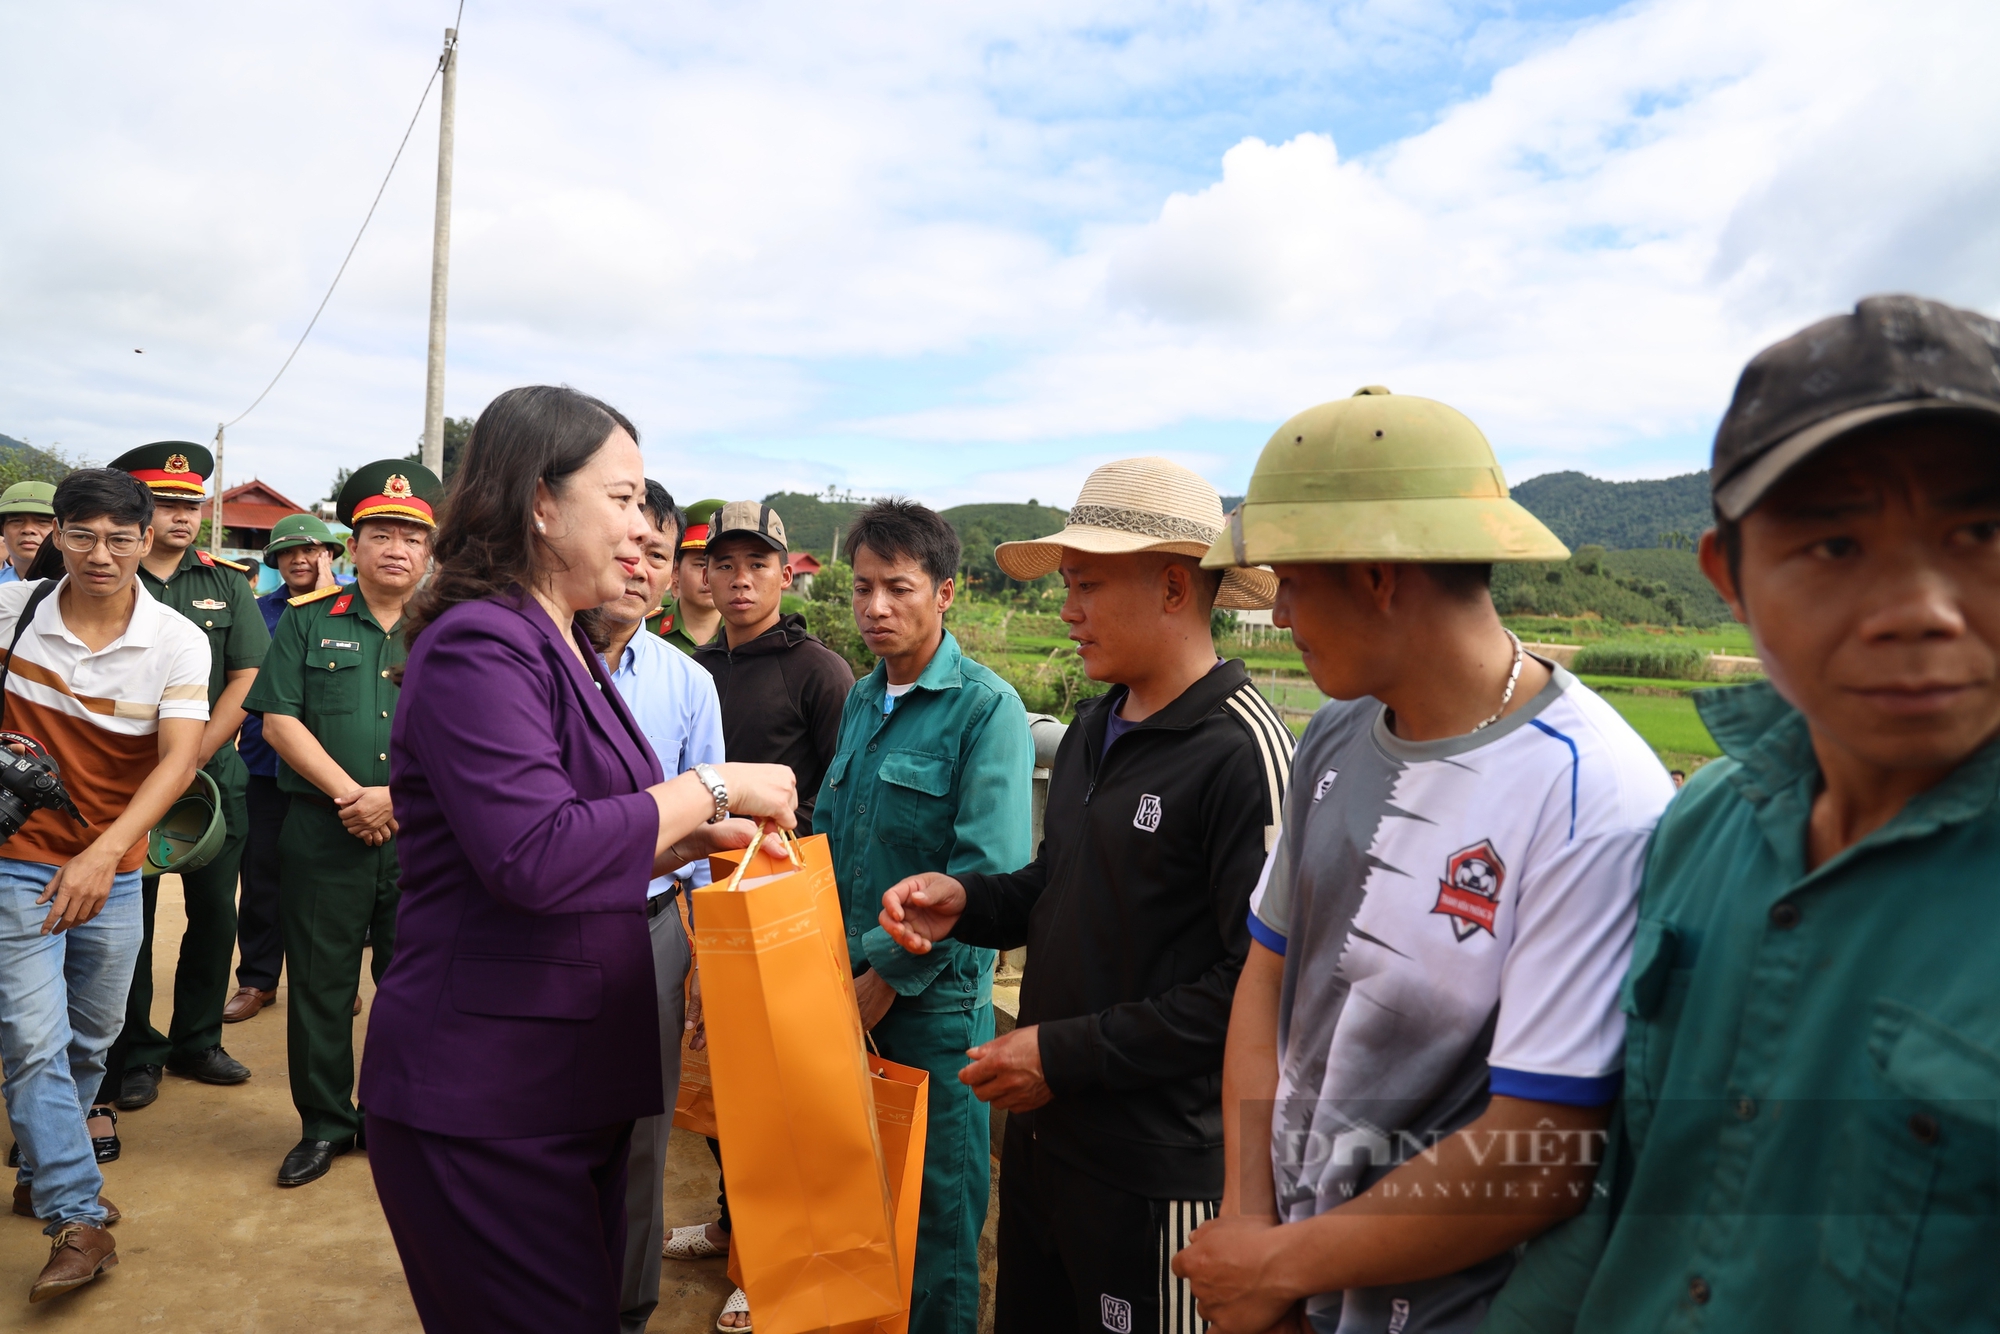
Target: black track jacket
{"x": 1134, "y": 917}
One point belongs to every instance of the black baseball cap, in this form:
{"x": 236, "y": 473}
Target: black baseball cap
{"x": 1893, "y": 356}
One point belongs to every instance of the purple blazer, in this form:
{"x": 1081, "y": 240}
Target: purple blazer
{"x": 520, "y": 1000}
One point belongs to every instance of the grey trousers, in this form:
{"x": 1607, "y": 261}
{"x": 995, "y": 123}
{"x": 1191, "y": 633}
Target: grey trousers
{"x": 646, "y": 1169}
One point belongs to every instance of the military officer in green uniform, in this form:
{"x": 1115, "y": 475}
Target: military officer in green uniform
{"x": 214, "y": 594}
{"x": 327, "y": 698}
{"x": 691, "y": 619}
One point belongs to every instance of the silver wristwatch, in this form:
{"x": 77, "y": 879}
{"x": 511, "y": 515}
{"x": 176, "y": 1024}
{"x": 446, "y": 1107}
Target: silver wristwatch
{"x": 718, "y": 789}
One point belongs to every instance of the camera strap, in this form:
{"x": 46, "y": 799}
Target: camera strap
{"x": 35, "y": 599}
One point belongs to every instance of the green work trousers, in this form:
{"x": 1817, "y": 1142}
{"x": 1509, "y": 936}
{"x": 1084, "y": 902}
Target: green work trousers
{"x": 335, "y": 893}
{"x": 201, "y": 977}
{"x": 958, "y": 1162}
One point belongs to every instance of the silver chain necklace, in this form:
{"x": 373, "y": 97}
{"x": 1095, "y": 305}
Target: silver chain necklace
{"x": 1513, "y": 677}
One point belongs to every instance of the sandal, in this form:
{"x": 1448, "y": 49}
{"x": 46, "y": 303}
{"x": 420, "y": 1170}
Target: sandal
{"x": 738, "y": 1304}
{"x": 691, "y": 1243}
{"x": 105, "y": 1148}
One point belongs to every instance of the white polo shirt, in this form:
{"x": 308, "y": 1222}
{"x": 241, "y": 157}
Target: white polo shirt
{"x": 97, "y": 712}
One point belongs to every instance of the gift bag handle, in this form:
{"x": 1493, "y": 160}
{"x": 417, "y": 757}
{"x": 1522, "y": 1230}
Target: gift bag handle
{"x": 791, "y": 841}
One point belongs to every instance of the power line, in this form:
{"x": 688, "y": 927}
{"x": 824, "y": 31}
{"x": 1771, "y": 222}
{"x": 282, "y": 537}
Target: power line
{"x": 321, "y": 309}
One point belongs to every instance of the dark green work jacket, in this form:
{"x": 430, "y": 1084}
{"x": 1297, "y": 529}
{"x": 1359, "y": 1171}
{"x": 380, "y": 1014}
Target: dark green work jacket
{"x": 942, "y": 783}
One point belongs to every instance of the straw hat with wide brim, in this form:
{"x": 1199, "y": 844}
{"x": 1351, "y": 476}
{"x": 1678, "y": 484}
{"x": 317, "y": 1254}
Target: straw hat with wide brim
{"x": 1142, "y": 505}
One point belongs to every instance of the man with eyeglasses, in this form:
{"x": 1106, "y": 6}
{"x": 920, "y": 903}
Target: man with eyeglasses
{"x": 70, "y": 915}
{"x": 212, "y": 594}
{"x": 674, "y": 702}
{"x": 328, "y": 699}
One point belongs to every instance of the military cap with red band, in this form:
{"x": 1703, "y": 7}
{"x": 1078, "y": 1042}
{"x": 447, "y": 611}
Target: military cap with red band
{"x": 171, "y": 469}
{"x": 390, "y": 489}
{"x": 698, "y": 515}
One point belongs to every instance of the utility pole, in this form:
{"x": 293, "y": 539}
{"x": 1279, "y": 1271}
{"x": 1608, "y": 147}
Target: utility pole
{"x": 433, "y": 450}
{"x": 215, "y": 521}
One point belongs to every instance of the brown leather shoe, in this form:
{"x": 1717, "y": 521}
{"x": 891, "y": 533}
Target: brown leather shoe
{"x": 79, "y": 1254}
{"x": 24, "y": 1204}
{"x": 246, "y": 1002}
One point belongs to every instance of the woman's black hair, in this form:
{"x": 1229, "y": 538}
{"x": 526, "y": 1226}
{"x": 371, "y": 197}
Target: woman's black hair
{"x": 86, "y": 494}
{"x": 48, "y": 561}
{"x": 486, "y": 542}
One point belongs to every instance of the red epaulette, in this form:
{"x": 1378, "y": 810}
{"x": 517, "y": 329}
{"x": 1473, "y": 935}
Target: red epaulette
{"x": 341, "y": 604}
{"x": 204, "y": 558}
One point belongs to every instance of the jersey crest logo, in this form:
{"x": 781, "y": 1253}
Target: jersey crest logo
{"x": 1325, "y": 784}
{"x": 1147, "y": 817}
{"x": 397, "y": 487}
{"x": 340, "y": 604}
{"x": 178, "y": 463}
{"x": 1469, "y": 894}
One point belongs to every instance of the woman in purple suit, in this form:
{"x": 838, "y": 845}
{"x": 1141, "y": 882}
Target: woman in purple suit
{"x": 515, "y": 1038}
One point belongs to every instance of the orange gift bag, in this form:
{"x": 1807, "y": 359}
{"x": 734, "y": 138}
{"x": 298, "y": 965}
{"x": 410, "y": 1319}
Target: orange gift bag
{"x": 902, "y": 1112}
{"x": 814, "y": 1223}
{"x": 694, "y": 1102}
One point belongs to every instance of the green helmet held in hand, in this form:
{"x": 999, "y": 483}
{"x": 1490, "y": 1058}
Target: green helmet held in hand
{"x": 1380, "y": 477}
{"x": 299, "y": 530}
{"x": 191, "y": 833}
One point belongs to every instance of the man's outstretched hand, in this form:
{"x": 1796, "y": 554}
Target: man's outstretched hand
{"x": 920, "y": 911}
{"x": 1007, "y": 1072}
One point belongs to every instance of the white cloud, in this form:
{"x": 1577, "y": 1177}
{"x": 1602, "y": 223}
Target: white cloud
{"x": 1581, "y": 259}
{"x": 952, "y": 252}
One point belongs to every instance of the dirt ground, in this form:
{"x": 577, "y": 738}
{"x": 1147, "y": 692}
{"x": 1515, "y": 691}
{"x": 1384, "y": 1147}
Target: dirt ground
{"x": 210, "y": 1245}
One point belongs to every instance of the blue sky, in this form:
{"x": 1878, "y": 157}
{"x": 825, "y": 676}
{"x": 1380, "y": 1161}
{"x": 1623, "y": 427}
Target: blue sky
{"x": 965, "y": 253}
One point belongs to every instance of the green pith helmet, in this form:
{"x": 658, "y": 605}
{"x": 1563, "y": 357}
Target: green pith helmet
{"x": 191, "y": 832}
{"x": 1379, "y": 476}
{"x": 29, "y": 498}
{"x": 298, "y": 530}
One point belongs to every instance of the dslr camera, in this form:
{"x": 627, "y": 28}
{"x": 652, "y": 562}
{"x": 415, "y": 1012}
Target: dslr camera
{"x": 28, "y": 783}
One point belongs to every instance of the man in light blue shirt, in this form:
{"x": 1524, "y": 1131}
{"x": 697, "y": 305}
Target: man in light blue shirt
{"x": 675, "y": 704}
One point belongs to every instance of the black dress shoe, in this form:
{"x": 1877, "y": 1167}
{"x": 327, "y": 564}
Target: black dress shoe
{"x": 139, "y": 1088}
{"x": 105, "y": 1148}
{"x": 214, "y": 1066}
{"x": 310, "y": 1159}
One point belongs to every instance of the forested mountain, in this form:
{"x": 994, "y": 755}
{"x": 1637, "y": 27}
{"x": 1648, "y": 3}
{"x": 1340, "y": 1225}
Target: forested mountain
{"x": 22, "y": 462}
{"x": 1624, "y": 515}
{"x": 983, "y": 527}
{"x": 810, "y": 520}
{"x": 1657, "y": 586}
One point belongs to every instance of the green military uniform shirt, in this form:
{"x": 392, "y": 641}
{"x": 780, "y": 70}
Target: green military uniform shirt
{"x": 217, "y": 597}
{"x": 943, "y": 783}
{"x": 666, "y": 623}
{"x": 1809, "y": 1136}
{"x": 329, "y": 667}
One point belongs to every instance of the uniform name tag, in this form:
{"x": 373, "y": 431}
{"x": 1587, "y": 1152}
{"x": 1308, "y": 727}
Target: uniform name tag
{"x": 349, "y": 644}
{"x": 209, "y": 604}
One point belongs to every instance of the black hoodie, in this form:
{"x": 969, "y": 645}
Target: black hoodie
{"x": 781, "y": 695}
{"x": 1134, "y": 914}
